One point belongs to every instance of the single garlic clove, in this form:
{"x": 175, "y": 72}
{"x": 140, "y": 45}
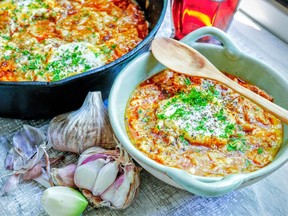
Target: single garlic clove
{"x": 118, "y": 192}
{"x": 33, "y": 173}
{"x": 63, "y": 201}
{"x": 64, "y": 176}
{"x": 10, "y": 159}
{"x": 12, "y": 184}
{"x": 105, "y": 178}
{"x": 134, "y": 185}
{"x": 86, "y": 174}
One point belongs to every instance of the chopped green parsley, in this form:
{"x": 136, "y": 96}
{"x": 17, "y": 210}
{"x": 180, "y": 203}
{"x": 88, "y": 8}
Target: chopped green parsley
{"x": 260, "y": 150}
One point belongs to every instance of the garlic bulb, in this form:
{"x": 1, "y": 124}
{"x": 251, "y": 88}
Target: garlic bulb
{"x": 107, "y": 177}
{"x": 81, "y": 129}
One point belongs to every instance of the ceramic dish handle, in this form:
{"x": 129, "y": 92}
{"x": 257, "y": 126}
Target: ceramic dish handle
{"x": 197, "y": 186}
{"x": 220, "y": 35}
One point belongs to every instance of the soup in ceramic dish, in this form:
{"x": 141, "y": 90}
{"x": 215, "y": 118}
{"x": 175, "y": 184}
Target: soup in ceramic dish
{"x": 201, "y": 126}
{"x": 53, "y": 39}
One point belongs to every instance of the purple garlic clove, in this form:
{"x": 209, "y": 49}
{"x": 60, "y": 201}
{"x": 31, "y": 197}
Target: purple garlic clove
{"x": 26, "y": 152}
{"x": 33, "y": 173}
{"x": 93, "y": 158}
{"x": 10, "y": 160}
{"x": 115, "y": 184}
{"x": 89, "y": 153}
{"x": 25, "y": 157}
{"x": 27, "y": 140}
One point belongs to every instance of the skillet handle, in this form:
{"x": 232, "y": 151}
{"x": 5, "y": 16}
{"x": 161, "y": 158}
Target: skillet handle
{"x": 229, "y": 46}
{"x": 204, "y": 188}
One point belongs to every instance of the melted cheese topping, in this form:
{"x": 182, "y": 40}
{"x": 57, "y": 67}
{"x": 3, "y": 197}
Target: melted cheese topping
{"x": 201, "y": 126}
{"x": 50, "y": 40}
{"x": 198, "y": 123}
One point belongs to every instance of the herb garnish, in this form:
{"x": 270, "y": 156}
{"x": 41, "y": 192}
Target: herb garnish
{"x": 187, "y": 81}
{"x": 196, "y": 98}
{"x": 237, "y": 143}
{"x": 6, "y": 37}
{"x": 68, "y": 59}
{"x": 260, "y": 150}
{"x": 197, "y": 113}
{"x": 183, "y": 140}
{"x": 220, "y": 115}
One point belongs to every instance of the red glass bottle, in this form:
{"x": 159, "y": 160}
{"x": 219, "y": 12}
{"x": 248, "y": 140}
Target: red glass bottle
{"x": 189, "y": 15}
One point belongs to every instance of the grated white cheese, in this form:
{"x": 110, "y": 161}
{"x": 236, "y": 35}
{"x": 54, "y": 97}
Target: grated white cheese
{"x": 190, "y": 121}
{"x": 81, "y": 50}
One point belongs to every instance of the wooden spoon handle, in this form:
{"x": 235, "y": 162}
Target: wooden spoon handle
{"x": 273, "y": 108}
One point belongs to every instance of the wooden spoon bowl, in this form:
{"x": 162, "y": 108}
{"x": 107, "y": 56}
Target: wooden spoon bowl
{"x": 184, "y": 59}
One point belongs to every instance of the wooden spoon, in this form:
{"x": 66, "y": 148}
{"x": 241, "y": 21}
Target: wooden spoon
{"x": 184, "y": 59}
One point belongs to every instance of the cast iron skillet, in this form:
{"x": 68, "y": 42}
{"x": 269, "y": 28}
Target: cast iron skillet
{"x": 34, "y": 100}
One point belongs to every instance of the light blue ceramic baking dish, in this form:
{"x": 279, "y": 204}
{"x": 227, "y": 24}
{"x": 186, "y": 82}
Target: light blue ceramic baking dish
{"x": 226, "y": 58}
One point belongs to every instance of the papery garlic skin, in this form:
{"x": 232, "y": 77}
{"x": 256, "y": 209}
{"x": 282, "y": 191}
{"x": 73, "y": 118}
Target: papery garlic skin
{"x": 29, "y": 145}
{"x": 28, "y": 157}
{"x": 117, "y": 180}
{"x": 81, "y": 129}
{"x": 119, "y": 192}
{"x": 64, "y": 176}
{"x": 63, "y": 201}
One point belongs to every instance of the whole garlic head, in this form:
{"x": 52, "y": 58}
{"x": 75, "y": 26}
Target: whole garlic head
{"x": 81, "y": 129}
{"x": 107, "y": 177}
